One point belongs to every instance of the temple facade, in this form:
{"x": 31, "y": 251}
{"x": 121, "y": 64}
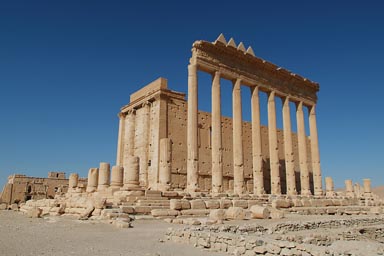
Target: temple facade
{"x": 179, "y": 147}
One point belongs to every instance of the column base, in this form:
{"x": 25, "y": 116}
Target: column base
{"x": 306, "y": 192}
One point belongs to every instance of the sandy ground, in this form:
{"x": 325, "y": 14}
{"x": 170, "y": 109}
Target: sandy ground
{"x": 20, "y": 235}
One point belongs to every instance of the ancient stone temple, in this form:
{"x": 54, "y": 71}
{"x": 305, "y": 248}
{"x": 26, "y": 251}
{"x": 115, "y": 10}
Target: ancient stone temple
{"x": 182, "y": 148}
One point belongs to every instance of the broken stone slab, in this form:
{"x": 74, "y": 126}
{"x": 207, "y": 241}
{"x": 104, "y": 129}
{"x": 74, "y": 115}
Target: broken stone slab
{"x": 3, "y": 206}
{"x": 164, "y": 213}
{"x": 34, "y": 212}
{"x": 259, "y": 212}
{"x": 235, "y": 213}
{"x": 282, "y": 203}
{"x": 217, "y": 215}
{"x": 195, "y": 212}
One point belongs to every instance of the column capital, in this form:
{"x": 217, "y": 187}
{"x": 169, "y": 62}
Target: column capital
{"x": 121, "y": 115}
{"x": 130, "y": 112}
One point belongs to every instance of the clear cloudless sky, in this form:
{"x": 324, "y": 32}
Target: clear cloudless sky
{"x": 66, "y": 68}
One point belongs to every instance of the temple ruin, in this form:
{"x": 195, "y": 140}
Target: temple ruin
{"x": 180, "y": 147}
{"x": 174, "y": 161}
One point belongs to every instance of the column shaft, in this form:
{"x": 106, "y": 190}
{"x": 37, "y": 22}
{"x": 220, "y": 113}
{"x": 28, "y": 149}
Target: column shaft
{"x": 120, "y": 141}
{"x": 238, "y": 158}
{"x": 129, "y": 135}
{"x": 144, "y": 155}
{"x": 273, "y": 147}
{"x": 217, "y": 149}
{"x": 302, "y": 145}
{"x": 288, "y": 149}
{"x": 192, "y": 131}
{"x": 315, "y": 155}
{"x": 257, "y": 157}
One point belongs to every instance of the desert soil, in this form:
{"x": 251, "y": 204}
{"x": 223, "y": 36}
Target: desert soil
{"x": 58, "y": 236}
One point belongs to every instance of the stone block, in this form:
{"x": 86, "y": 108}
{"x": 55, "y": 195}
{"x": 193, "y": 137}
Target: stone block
{"x": 240, "y": 203}
{"x": 259, "y": 212}
{"x": 127, "y": 209}
{"x": 34, "y": 212}
{"x": 164, "y": 213}
{"x": 225, "y": 203}
{"x": 217, "y": 215}
{"x": 212, "y": 204}
{"x": 143, "y": 209}
{"x": 14, "y": 207}
{"x": 197, "y": 204}
{"x": 195, "y": 212}
{"x": 282, "y": 203}
{"x": 376, "y": 210}
{"x": 193, "y": 222}
{"x": 235, "y": 213}
{"x": 3, "y": 206}
{"x": 175, "y": 204}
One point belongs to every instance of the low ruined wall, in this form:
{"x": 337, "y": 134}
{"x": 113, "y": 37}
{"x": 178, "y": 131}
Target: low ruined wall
{"x": 257, "y": 239}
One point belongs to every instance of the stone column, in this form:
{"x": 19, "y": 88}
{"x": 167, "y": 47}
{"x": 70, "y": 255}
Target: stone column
{"x": 144, "y": 157}
{"x": 357, "y": 189}
{"x": 192, "y": 131}
{"x": 217, "y": 147}
{"x": 329, "y": 187}
{"x": 117, "y": 176}
{"x": 367, "y": 186}
{"x": 93, "y": 177}
{"x": 273, "y": 146}
{"x": 104, "y": 176}
{"x": 129, "y": 134}
{"x": 73, "y": 181}
{"x": 349, "y": 188}
{"x": 238, "y": 158}
{"x": 288, "y": 149}
{"x": 315, "y": 155}
{"x": 165, "y": 164}
{"x": 120, "y": 140}
{"x": 302, "y": 145}
{"x": 257, "y": 156}
{"x": 131, "y": 173}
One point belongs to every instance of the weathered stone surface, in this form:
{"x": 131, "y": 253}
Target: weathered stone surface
{"x": 282, "y": 203}
{"x": 197, "y": 204}
{"x": 34, "y": 212}
{"x": 3, "y": 206}
{"x": 212, "y": 204}
{"x": 217, "y": 215}
{"x": 164, "y": 213}
{"x": 259, "y": 212}
{"x": 240, "y": 203}
{"x": 235, "y": 213}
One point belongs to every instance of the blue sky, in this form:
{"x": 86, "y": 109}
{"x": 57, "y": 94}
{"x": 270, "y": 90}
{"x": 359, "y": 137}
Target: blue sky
{"x": 66, "y": 68}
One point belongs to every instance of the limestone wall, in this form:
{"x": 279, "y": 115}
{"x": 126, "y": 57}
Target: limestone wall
{"x": 162, "y": 113}
{"x": 20, "y": 188}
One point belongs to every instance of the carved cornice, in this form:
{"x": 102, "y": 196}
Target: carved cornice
{"x": 234, "y": 63}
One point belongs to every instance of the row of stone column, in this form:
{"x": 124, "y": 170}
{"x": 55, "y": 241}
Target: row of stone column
{"x": 126, "y": 140}
{"x": 238, "y": 155}
{"x": 102, "y": 178}
{"x": 350, "y": 190}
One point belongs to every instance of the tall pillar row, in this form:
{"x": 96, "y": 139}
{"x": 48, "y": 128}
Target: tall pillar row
{"x": 257, "y": 159}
